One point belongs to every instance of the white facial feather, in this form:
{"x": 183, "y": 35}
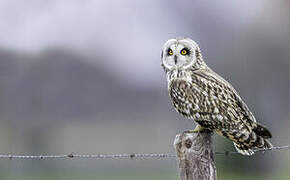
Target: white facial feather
{"x": 177, "y": 60}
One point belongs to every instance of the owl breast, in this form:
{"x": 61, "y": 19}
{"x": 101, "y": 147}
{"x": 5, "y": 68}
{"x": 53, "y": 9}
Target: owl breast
{"x": 185, "y": 97}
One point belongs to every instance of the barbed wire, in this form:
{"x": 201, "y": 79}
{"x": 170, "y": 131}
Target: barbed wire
{"x": 88, "y": 156}
{"x": 120, "y": 156}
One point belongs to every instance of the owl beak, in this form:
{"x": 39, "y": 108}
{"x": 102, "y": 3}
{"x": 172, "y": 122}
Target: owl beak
{"x": 175, "y": 59}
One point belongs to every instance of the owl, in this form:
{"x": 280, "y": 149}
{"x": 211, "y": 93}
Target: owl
{"x": 200, "y": 94}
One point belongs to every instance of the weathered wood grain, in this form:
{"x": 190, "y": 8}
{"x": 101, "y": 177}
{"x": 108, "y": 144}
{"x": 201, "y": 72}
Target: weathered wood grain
{"x": 195, "y": 156}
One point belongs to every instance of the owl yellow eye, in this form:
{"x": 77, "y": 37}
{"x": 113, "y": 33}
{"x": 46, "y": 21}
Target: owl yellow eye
{"x": 170, "y": 52}
{"x": 184, "y": 52}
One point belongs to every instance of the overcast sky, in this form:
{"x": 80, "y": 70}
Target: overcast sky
{"x": 130, "y": 32}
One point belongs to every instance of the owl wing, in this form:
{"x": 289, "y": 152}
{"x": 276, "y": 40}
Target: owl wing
{"x": 228, "y": 106}
{"x": 230, "y": 111}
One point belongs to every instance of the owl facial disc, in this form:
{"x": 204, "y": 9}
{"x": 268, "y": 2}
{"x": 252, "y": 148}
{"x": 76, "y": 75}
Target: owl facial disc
{"x": 179, "y": 54}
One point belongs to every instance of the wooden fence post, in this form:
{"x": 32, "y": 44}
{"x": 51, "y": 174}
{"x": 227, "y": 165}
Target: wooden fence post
{"x": 195, "y": 156}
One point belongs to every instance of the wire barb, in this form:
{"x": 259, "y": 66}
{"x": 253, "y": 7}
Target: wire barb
{"x": 120, "y": 156}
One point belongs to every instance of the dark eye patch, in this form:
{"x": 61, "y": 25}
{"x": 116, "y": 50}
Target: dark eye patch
{"x": 185, "y": 51}
{"x": 169, "y": 52}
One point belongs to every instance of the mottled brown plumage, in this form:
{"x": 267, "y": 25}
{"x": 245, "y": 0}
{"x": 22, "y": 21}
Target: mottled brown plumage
{"x": 200, "y": 94}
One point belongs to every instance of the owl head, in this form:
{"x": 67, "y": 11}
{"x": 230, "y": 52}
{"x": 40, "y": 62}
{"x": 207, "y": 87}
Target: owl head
{"x": 181, "y": 54}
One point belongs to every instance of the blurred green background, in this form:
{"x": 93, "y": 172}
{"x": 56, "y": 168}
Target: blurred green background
{"x": 85, "y": 77}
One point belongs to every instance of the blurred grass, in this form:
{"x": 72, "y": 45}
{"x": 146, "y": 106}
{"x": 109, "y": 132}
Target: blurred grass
{"x": 126, "y": 175}
{"x": 105, "y": 176}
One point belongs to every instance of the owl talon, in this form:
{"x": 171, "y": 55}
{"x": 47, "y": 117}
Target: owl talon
{"x": 197, "y": 129}
{"x": 190, "y": 132}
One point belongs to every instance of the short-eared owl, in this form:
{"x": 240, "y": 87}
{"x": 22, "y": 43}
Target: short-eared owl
{"x": 200, "y": 94}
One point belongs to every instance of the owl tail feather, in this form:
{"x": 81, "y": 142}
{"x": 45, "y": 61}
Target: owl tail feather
{"x": 262, "y": 131}
{"x": 255, "y": 142}
{"x": 241, "y": 149}
{"x": 257, "y": 139}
